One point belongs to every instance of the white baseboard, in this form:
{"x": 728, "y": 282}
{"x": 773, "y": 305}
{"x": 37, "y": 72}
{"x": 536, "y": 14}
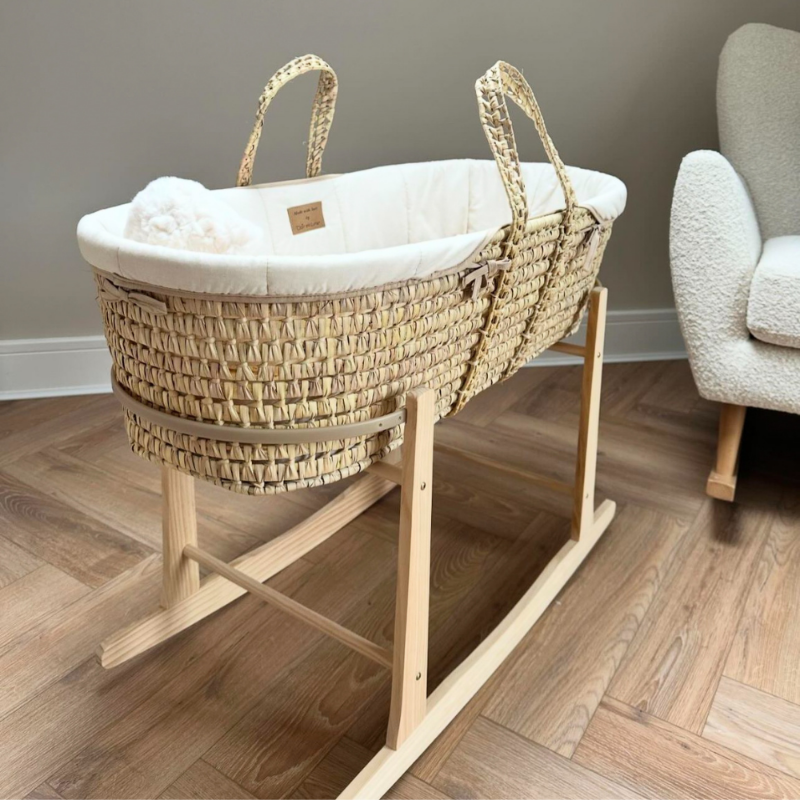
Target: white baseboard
{"x": 81, "y": 364}
{"x": 646, "y": 335}
{"x": 54, "y": 367}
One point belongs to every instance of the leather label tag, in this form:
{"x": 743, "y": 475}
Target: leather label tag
{"x": 307, "y": 217}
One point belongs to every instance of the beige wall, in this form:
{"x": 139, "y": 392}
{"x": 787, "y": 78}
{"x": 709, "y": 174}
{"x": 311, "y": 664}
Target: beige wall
{"x": 99, "y": 97}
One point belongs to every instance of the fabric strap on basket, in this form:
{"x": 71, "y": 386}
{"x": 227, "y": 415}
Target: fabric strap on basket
{"x": 254, "y": 435}
{"x": 321, "y": 114}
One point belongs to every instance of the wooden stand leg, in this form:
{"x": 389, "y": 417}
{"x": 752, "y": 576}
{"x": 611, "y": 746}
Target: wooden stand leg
{"x": 722, "y": 480}
{"x": 586, "y": 466}
{"x": 181, "y": 575}
{"x": 410, "y": 668}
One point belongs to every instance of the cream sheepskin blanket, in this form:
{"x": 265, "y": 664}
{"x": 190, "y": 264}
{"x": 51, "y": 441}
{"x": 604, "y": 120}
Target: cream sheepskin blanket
{"x": 184, "y": 215}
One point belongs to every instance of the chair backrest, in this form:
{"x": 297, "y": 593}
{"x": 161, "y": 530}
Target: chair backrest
{"x": 758, "y": 109}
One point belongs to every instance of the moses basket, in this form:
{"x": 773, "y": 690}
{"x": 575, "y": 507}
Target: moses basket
{"x": 218, "y": 344}
{"x": 383, "y": 301}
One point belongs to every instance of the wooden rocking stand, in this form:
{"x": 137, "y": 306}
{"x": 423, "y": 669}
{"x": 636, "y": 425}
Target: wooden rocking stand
{"x": 415, "y": 718}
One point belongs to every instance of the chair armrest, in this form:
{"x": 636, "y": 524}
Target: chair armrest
{"x": 715, "y": 244}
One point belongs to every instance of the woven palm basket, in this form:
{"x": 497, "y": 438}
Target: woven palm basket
{"x": 282, "y": 363}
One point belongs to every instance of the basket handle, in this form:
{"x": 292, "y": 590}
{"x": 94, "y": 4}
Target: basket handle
{"x": 321, "y": 113}
{"x": 501, "y": 81}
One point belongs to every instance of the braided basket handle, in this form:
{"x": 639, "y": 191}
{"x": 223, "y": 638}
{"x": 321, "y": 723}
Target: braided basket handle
{"x": 501, "y": 81}
{"x": 321, "y": 113}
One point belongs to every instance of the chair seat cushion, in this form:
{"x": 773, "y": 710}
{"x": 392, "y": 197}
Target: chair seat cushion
{"x": 773, "y": 310}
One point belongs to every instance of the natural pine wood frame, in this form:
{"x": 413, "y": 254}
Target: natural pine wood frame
{"x": 415, "y": 718}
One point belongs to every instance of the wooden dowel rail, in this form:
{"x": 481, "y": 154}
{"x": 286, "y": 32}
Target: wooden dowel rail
{"x": 570, "y": 349}
{"x": 374, "y": 651}
{"x": 387, "y": 471}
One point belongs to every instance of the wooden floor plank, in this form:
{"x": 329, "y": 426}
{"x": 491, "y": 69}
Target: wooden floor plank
{"x": 287, "y": 735}
{"x": 15, "y": 562}
{"x": 636, "y": 464}
{"x": 43, "y": 792}
{"x": 148, "y": 749}
{"x": 261, "y": 518}
{"x": 411, "y": 788}
{"x": 625, "y": 386}
{"x": 54, "y": 725}
{"x": 556, "y": 681}
{"x": 345, "y": 760}
{"x": 466, "y": 617}
{"x": 51, "y": 422}
{"x": 117, "y": 503}
{"x": 671, "y": 405}
{"x": 492, "y": 762}
{"x": 166, "y": 731}
{"x": 23, "y": 416}
{"x": 68, "y": 636}
{"x": 202, "y": 782}
{"x": 334, "y": 771}
{"x": 756, "y": 724}
{"x": 108, "y": 441}
{"x": 33, "y": 598}
{"x": 666, "y": 600}
{"x": 485, "y": 408}
{"x": 78, "y": 544}
{"x": 661, "y": 760}
{"x": 552, "y": 398}
{"x": 674, "y": 663}
{"x": 510, "y": 501}
{"x": 94, "y": 492}
{"x": 291, "y": 729}
{"x": 766, "y": 646}
{"x": 428, "y": 765}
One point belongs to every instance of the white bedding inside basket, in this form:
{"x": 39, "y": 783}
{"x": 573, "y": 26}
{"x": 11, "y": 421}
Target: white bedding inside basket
{"x": 382, "y": 225}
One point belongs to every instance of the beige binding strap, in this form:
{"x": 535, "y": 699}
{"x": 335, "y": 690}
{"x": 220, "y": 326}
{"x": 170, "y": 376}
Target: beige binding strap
{"x": 229, "y": 433}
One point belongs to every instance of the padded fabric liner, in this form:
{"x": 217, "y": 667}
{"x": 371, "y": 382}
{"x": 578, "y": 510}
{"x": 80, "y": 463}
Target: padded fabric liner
{"x": 382, "y": 225}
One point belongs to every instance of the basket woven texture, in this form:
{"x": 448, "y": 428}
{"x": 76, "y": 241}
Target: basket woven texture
{"x": 288, "y": 363}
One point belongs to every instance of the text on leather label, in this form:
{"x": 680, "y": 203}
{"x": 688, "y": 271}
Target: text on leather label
{"x": 307, "y": 217}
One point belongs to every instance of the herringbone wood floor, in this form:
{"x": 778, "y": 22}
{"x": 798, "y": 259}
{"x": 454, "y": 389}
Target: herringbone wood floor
{"x": 668, "y": 666}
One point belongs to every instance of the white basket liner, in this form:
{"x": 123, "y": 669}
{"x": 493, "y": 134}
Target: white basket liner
{"x": 382, "y": 226}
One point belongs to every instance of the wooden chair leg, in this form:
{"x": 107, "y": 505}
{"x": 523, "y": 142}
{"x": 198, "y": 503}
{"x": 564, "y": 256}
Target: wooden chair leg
{"x": 586, "y": 465}
{"x": 181, "y": 575}
{"x": 722, "y": 480}
{"x": 410, "y": 667}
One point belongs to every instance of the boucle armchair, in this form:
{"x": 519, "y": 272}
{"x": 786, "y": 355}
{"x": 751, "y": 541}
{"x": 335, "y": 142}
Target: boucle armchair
{"x": 735, "y": 242}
